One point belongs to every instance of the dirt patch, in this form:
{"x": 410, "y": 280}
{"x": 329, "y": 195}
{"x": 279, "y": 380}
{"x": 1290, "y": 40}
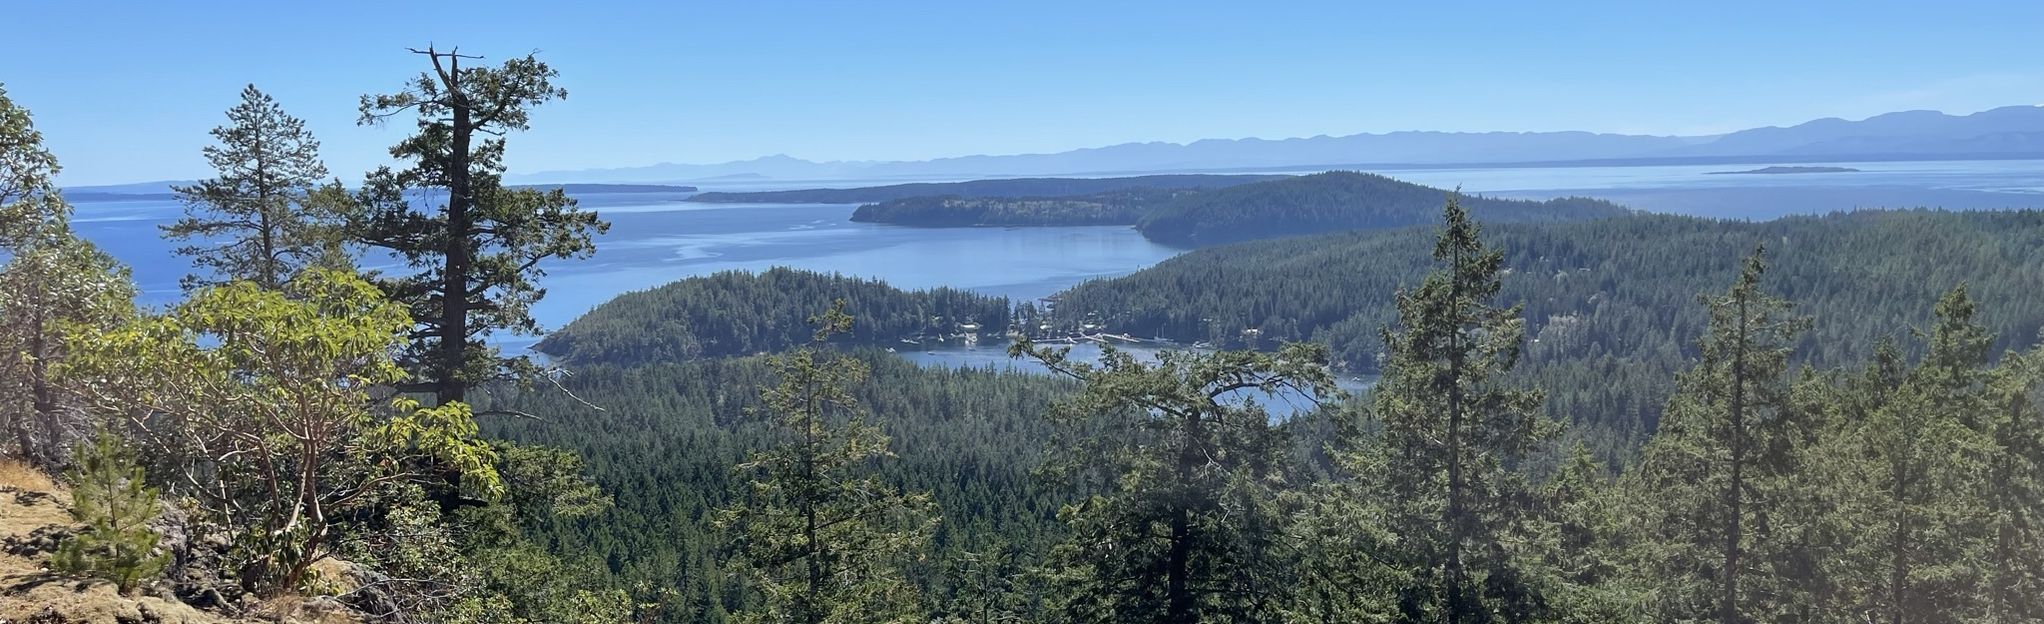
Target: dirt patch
{"x": 31, "y": 512}
{"x": 19, "y": 475}
{"x": 35, "y": 516}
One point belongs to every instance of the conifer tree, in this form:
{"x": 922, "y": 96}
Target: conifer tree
{"x": 1927, "y": 453}
{"x": 1576, "y": 519}
{"x": 1189, "y": 527}
{"x": 263, "y": 217}
{"x": 476, "y": 246}
{"x": 2014, "y": 492}
{"x": 1694, "y": 489}
{"x": 1352, "y": 564}
{"x": 111, "y": 497}
{"x": 1452, "y": 432}
{"x": 823, "y": 539}
{"x": 1812, "y": 548}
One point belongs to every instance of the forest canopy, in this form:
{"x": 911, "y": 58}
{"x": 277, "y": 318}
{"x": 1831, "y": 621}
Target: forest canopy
{"x": 1334, "y": 201}
{"x": 744, "y": 313}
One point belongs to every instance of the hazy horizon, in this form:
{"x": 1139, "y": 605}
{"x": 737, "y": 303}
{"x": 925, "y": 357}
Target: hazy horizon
{"x": 656, "y": 83}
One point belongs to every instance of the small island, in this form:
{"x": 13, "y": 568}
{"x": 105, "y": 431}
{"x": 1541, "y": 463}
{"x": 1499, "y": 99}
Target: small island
{"x": 1783, "y": 170}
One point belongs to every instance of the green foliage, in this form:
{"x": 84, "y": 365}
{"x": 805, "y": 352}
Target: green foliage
{"x": 28, "y": 194}
{"x": 1545, "y": 536}
{"x": 1118, "y": 207}
{"x": 1608, "y": 303}
{"x": 2013, "y": 509}
{"x": 111, "y": 497}
{"x": 300, "y": 442}
{"x": 264, "y": 217}
{"x": 740, "y": 313}
{"x": 1926, "y": 441}
{"x": 821, "y": 538}
{"x": 1189, "y": 525}
{"x": 1706, "y": 483}
{"x": 474, "y": 245}
{"x": 1573, "y": 529}
{"x": 54, "y": 288}
{"x": 669, "y": 433}
{"x": 53, "y": 284}
{"x": 1450, "y": 434}
{"x": 999, "y": 585}
{"x": 1333, "y": 201}
{"x": 488, "y": 563}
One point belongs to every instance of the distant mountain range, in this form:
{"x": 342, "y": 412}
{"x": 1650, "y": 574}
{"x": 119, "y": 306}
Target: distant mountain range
{"x": 2008, "y": 132}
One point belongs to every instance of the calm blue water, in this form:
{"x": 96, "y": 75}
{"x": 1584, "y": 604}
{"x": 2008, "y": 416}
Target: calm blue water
{"x": 655, "y": 238}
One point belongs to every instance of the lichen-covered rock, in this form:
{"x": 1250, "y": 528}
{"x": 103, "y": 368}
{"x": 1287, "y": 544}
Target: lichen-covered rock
{"x": 39, "y": 541}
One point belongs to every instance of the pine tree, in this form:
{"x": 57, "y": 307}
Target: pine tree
{"x": 1352, "y": 562}
{"x": 477, "y": 254}
{"x": 824, "y": 539}
{"x": 1451, "y": 434}
{"x": 1190, "y": 527}
{"x": 1813, "y": 547}
{"x": 2014, "y": 492}
{"x": 992, "y": 586}
{"x": 264, "y": 216}
{"x": 1694, "y": 489}
{"x": 1575, "y": 521}
{"x": 111, "y": 497}
{"x": 1927, "y": 451}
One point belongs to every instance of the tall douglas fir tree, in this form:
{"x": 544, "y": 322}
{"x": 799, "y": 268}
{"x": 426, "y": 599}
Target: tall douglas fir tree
{"x": 1698, "y": 481}
{"x": 475, "y": 245}
{"x": 1451, "y": 433}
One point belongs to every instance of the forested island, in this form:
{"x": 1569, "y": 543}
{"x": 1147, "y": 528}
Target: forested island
{"x": 1123, "y": 207}
{"x": 740, "y": 313}
{"x": 1334, "y": 201}
{"x": 1288, "y": 206}
{"x": 1008, "y": 187}
{"x": 1777, "y": 170}
{"x": 1582, "y": 414}
{"x": 574, "y": 189}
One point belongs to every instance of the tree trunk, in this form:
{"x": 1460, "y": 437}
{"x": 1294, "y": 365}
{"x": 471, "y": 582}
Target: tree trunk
{"x": 1898, "y": 558}
{"x": 1452, "y": 571}
{"x": 454, "y": 301}
{"x": 1181, "y": 606}
{"x": 267, "y": 265}
{"x": 1735, "y": 490}
{"x": 43, "y": 400}
{"x": 812, "y": 613}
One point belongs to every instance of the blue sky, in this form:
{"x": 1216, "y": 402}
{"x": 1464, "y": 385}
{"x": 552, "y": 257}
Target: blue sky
{"x": 126, "y": 91}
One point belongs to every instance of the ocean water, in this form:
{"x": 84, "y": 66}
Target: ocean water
{"x": 656, "y": 238}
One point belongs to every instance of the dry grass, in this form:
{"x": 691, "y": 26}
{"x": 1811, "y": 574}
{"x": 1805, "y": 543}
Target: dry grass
{"x": 15, "y": 473}
{"x": 28, "y": 590}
